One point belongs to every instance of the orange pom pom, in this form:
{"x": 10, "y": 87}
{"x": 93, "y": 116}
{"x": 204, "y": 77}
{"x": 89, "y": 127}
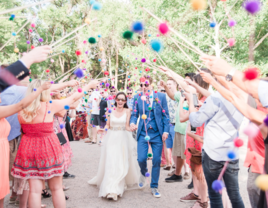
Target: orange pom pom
{"x": 198, "y": 5}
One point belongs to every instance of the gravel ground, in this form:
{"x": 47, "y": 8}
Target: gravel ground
{"x": 85, "y": 166}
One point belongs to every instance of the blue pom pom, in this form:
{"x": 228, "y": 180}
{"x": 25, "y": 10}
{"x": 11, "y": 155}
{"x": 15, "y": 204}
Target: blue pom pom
{"x": 79, "y": 73}
{"x": 156, "y": 45}
{"x": 63, "y": 51}
{"x": 99, "y": 36}
{"x": 148, "y": 119}
{"x": 13, "y": 16}
{"x": 34, "y": 89}
{"x": 106, "y": 119}
{"x": 97, "y": 6}
{"x": 212, "y": 24}
{"x": 149, "y": 35}
{"x": 109, "y": 111}
{"x": 106, "y": 129}
{"x": 137, "y": 27}
{"x": 217, "y": 185}
{"x": 147, "y": 138}
{"x": 14, "y": 34}
{"x": 49, "y": 112}
{"x": 99, "y": 60}
{"x": 50, "y": 101}
{"x": 147, "y": 174}
{"x": 92, "y": 1}
{"x": 231, "y": 155}
{"x": 62, "y": 126}
{"x": 66, "y": 107}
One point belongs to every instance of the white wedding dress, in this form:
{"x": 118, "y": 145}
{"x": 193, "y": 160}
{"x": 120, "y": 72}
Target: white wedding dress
{"x": 118, "y": 167}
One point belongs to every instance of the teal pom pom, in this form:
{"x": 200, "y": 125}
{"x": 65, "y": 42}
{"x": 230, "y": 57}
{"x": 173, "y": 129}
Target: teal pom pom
{"x": 14, "y": 34}
{"x": 97, "y": 6}
{"x": 92, "y": 40}
{"x": 128, "y": 35}
{"x": 147, "y": 138}
{"x": 63, "y": 51}
{"x": 156, "y": 45}
{"x": 92, "y": 1}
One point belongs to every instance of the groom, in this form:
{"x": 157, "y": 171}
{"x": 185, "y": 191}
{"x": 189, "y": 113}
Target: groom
{"x": 156, "y": 126}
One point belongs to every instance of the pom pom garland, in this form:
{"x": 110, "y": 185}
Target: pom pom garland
{"x": 156, "y": 45}
{"x": 128, "y": 35}
{"x": 96, "y": 6}
{"x": 217, "y": 185}
{"x": 262, "y": 182}
{"x": 252, "y": 6}
{"x": 238, "y": 142}
{"x": 252, "y": 130}
{"x": 163, "y": 28}
{"x": 232, "y": 23}
{"x": 198, "y": 5}
{"x": 231, "y": 42}
{"x": 147, "y": 138}
{"x": 92, "y": 40}
{"x": 137, "y": 27}
{"x": 251, "y": 73}
{"x": 79, "y": 73}
{"x": 212, "y": 24}
{"x": 231, "y": 155}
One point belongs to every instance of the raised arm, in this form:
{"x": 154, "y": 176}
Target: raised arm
{"x": 169, "y": 92}
{"x": 72, "y": 83}
{"x": 6, "y": 111}
{"x": 184, "y": 116}
{"x": 199, "y": 89}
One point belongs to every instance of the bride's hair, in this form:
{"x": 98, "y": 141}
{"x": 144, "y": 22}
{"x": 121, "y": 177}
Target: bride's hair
{"x": 121, "y": 93}
{"x": 30, "y": 112}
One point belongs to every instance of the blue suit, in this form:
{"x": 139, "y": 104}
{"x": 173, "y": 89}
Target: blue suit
{"x": 157, "y": 123}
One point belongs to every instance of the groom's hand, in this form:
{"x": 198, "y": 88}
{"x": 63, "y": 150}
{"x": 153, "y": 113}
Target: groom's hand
{"x": 133, "y": 127}
{"x": 164, "y": 137}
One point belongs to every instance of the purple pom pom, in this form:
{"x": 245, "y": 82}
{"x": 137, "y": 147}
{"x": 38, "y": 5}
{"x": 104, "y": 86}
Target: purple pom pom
{"x": 252, "y": 6}
{"x": 79, "y": 73}
{"x": 86, "y": 52}
{"x": 143, "y": 60}
{"x": 107, "y": 84}
{"x": 28, "y": 42}
{"x": 232, "y": 23}
{"x": 109, "y": 111}
{"x": 147, "y": 174}
{"x": 217, "y": 185}
{"x": 62, "y": 126}
{"x": 52, "y": 82}
{"x": 266, "y": 121}
{"x": 41, "y": 40}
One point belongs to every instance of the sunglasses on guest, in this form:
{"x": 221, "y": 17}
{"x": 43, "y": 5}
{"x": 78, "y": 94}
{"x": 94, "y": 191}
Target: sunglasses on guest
{"x": 130, "y": 93}
{"x": 112, "y": 91}
{"x": 122, "y": 100}
{"x": 101, "y": 93}
{"x": 163, "y": 90}
{"x": 146, "y": 85}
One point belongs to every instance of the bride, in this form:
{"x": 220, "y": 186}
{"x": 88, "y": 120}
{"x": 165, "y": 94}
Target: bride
{"x": 118, "y": 166}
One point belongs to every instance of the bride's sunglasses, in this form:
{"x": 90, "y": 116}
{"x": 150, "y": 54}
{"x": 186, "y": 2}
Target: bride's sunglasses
{"x": 122, "y": 100}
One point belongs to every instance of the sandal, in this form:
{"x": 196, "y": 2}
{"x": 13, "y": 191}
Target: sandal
{"x": 45, "y": 194}
{"x": 12, "y": 199}
{"x": 66, "y": 188}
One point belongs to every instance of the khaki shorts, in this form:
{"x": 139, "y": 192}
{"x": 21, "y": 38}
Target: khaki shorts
{"x": 13, "y": 149}
{"x": 179, "y": 146}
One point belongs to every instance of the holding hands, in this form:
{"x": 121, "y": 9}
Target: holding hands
{"x": 133, "y": 127}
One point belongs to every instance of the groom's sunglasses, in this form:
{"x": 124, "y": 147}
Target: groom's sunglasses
{"x": 146, "y": 85}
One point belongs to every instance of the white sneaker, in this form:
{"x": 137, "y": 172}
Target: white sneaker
{"x": 112, "y": 196}
{"x": 155, "y": 192}
{"x": 142, "y": 181}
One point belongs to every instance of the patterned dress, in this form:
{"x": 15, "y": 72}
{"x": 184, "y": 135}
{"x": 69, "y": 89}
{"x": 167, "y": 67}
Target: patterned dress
{"x": 79, "y": 126}
{"x": 66, "y": 148}
{"x": 40, "y": 154}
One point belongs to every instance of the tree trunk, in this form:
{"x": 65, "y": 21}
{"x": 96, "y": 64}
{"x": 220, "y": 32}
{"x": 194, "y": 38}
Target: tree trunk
{"x": 110, "y": 71}
{"x": 116, "y": 66}
{"x": 251, "y": 40}
{"x": 126, "y": 83}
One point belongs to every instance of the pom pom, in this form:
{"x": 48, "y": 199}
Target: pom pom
{"x": 13, "y": 34}
{"x": 147, "y": 138}
{"x": 232, "y": 23}
{"x": 49, "y": 112}
{"x": 231, "y": 42}
{"x": 265, "y": 121}
{"x": 109, "y": 111}
{"x": 156, "y": 45}
{"x": 251, "y": 73}
{"x": 252, "y": 6}
{"x": 143, "y": 40}
{"x": 34, "y": 89}
{"x": 238, "y": 142}
{"x": 107, "y": 84}
{"x": 97, "y": 6}
{"x": 149, "y": 155}
{"x": 13, "y": 16}
{"x": 32, "y": 46}
{"x": 147, "y": 174}
{"x": 198, "y": 5}
{"x": 47, "y": 70}
{"x": 50, "y": 101}
{"x": 144, "y": 116}
{"x": 62, "y": 126}
{"x": 137, "y": 27}
{"x": 30, "y": 30}
{"x": 143, "y": 60}
{"x": 92, "y": 1}
{"x": 231, "y": 155}
{"x": 163, "y": 111}
{"x": 217, "y": 185}
{"x": 92, "y": 40}
{"x": 154, "y": 60}
{"x": 16, "y": 50}
{"x": 212, "y": 24}
{"x": 101, "y": 48}
{"x": 106, "y": 73}
{"x": 252, "y": 130}
{"x": 32, "y": 25}
{"x": 40, "y": 40}
{"x": 78, "y": 53}
{"x": 262, "y": 182}
{"x": 163, "y": 28}
{"x": 79, "y": 73}
{"x": 99, "y": 36}
{"x": 66, "y": 107}
{"x": 79, "y": 90}
{"x": 128, "y": 35}
{"x": 28, "y": 42}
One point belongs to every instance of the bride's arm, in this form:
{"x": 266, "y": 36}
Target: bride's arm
{"x": 128, "y": 119}
{"x": 107, "y": 126}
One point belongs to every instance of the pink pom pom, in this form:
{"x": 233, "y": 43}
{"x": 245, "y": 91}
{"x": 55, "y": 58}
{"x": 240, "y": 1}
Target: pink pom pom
{"x": 79, "y": 90}
{"x": 231, "y": 42}
{"x": 32, "y": 25}
{"x": 84, "y": 41}
{"x": 251, "y": 73}
{"x": 163, "y": 111}
{"x": 252, "y": 130}
{"x": 143, "y": 40}
{"x": 238, "y": 142}
{"x": 30, "y": 30}
{"x": 163, "y": 28}
{"x": 157, "y": 35}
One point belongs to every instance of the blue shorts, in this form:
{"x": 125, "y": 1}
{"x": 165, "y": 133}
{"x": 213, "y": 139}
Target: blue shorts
{"x": 171, "y": 135}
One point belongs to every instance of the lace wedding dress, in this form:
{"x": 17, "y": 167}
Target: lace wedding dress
{"x": 118, "y": 167}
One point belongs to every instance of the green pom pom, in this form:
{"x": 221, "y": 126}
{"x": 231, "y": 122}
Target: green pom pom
{"x": 149, "y": 154}
{"x": 86, "y": 100}
{"x": 150, "y": 108}
{"x": 92, "y": 119}
{"x": 11, "y": 18}
{"x": 128, "y": 35}
{"x": 30, "y": 80}
{"x": 92, "y": 40}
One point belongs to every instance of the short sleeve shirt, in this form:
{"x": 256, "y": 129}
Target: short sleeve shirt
{"x": 95, "y": 106}
{"x": 263, "y": 93}
{"x": 180, "y": 127}
{"x": 172, "y": 109}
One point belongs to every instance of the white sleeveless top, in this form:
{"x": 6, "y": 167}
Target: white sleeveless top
{"x": 118, "y": 123}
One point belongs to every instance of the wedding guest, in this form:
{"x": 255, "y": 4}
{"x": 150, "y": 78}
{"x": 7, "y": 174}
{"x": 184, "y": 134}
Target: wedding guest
{"x": 88, "y": 107}
{"x": 130, "y": 98}
{"x": 113, "y": 92}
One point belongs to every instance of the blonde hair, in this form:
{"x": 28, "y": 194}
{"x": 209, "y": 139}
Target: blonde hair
{"x": 30, "y": 112}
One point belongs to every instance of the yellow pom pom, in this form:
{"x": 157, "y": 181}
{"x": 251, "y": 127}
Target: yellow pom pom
{"x": 83, "y": 81}
{"x": 90, "y": 110}
{"x": 51, "y": 51}
{"x": 152, "y": 84}
{"x": 126, "y": 64}
{"x": 143, "y": 116}
{"x": 87, "y": 21}
{"x": 262, "y": 182}
{"x": 198, "y": 5}
{"x": 16, "y": 50}
{"x": 101, "y": 48}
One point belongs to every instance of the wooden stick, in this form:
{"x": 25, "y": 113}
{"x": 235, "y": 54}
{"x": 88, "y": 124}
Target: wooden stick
{"x": 197, "y": 52}
{"x": 53, "y": 55}
{"x": 67, "y": 72}
{"x": 161, "y": 60}
{"x": 67, "y": 35}
{"x": 13, "y": 36}
{"x": 185, "y": 54}
{"x": 23, "y": 7}
{"x": 64, "y": 42}
{"x": 174, "y": 31}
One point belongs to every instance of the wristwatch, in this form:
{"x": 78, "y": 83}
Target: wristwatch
{"x": 229, "y": 76}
